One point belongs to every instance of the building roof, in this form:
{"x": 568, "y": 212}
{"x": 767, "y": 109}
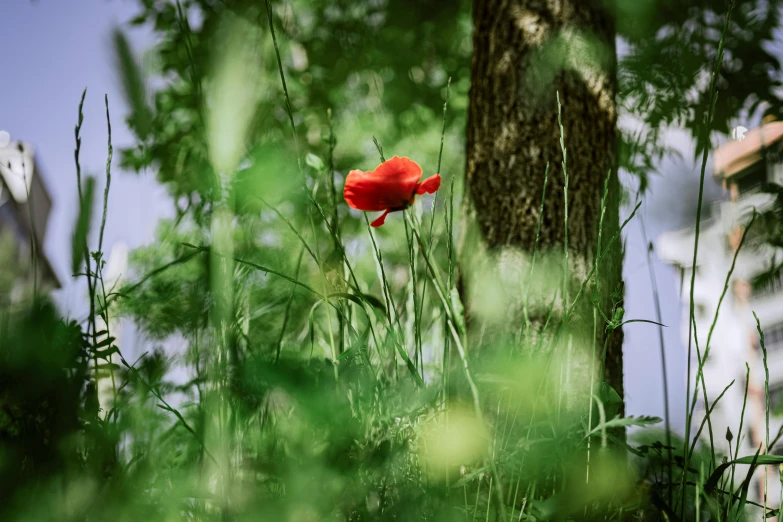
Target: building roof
{"x": 20, "y": 176}
{"x": 736, "y": 156}
{"x": 17, "y": 164}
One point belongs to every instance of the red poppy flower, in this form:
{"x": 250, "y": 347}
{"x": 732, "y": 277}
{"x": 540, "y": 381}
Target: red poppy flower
{"x": 392, "y": 186}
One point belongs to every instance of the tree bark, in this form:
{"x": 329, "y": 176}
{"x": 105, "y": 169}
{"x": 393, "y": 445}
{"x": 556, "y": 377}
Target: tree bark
{"x": 525, "y": 52}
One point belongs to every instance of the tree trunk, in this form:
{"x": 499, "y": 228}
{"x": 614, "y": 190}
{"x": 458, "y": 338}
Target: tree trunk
{"x": 525, "y": 52}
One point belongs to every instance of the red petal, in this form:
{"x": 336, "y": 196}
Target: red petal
{"x": 380, "y": 220}
{"x": 429, "y": 185}
{"x": 391, "y": 185}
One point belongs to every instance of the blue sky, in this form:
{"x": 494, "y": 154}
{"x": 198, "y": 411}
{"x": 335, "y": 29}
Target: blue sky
{"x": 55, "y": 48}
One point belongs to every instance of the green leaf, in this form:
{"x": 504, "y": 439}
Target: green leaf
{"x": 611, "y": 400}
{"x": 374, "y": 302}
{"x": 761, "y": 460}
{"x": 138, "y": 20}
{"x": 746, "y": 482}
{"x": 617, "y": 318}
{"x": 609, "y": 395}
{"x": 456, "y": 302}
{"x": 311, "y": 325}
{"x": 624, "y": 422}
{"x": 359, "y": 299}
{"x": 334, "y": 260}
{"x": 470, "y": 477}
{"x": 356, "y": 347}
{"x": 311, "y": 160}
{"x": 108, "y": 352}
{"x": 105, "y": 342}
{"x": 753, "y": 460}
{"x": 140, "y": 118}
{"x": 82, "y": 228}
{"x": 627, "y": 447}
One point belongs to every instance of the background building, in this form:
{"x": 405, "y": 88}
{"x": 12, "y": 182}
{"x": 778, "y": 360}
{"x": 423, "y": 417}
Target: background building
{"x": 751, "y": 172}
{"x": 25, "y": 205}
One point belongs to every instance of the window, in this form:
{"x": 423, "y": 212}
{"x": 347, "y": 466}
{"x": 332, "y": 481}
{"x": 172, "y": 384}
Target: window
{"x": 776, "y": 399}
{"x": 776, "y": 172}
{"x": 773, "y": 337}
{"x": 753, "y": 179}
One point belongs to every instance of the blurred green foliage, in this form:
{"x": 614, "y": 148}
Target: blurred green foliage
{"x": 379, "y": 70}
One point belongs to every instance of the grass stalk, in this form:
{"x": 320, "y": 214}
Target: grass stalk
{"x": 705, "y": 420}
{"x": 411, "y": 247}
{"x": 662, "y": 349}
{"x": 91, "y": 282}
{"x": 712, "y": 97}
{"x": 108, "y": 177}
{"x": 451, "y": 276}
{"x": 391, "y": 309}
{"x": 440, "y": 157}
{"x": 742, "y": 419}
{"x": 565, "y": 202}
{"x": 456, "y": 325}
{"x": 569, "y": 311}
{"x": 432, "y": 222}
{"x": 289, "y": 110}
{"x": 702, "y": 358}
{"x": 98, "y": 262}
{"x": 287, "y": 312}
{"x": 387, "y": 290}
{"x": 766, "y": 397}
{"x": 535, "y": 252}
{"x": 596, "y": 287}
